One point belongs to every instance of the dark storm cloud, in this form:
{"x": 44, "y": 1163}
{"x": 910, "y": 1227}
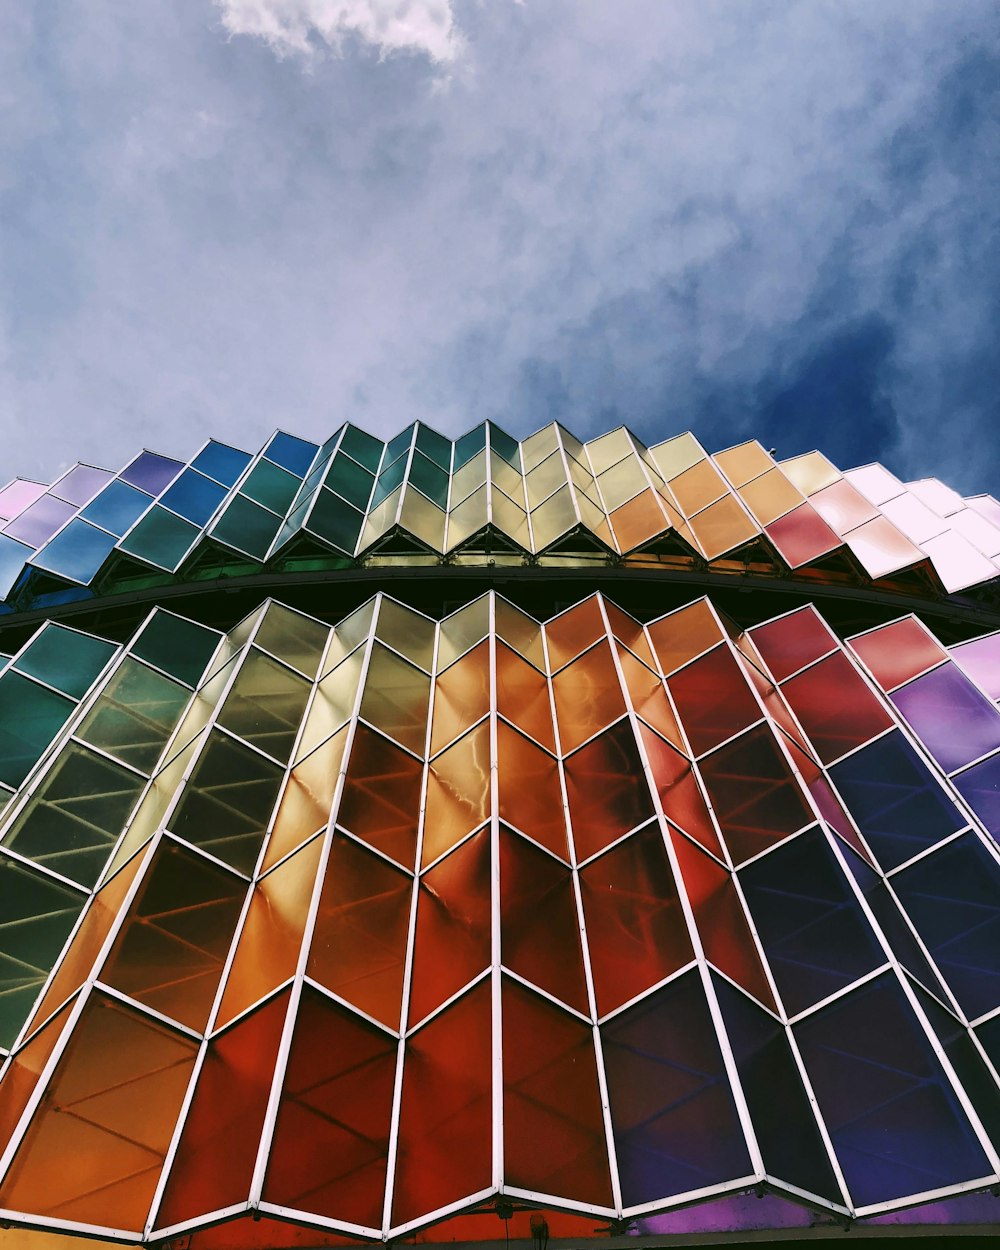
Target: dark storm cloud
{"x": 773, "y": 219}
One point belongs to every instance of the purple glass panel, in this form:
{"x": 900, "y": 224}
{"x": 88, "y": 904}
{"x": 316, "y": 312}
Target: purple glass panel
{"x": 151, "y": 472}
{"x": 954, "y": 720}
{"x": 37, "y": 524}
{"x": 81, "y": 484}
{"x": 18, "y": 496}
{"x": 981, "y": 658}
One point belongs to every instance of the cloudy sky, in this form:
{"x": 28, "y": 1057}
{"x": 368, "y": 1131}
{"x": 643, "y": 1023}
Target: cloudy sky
{"x": 753, "y": 217}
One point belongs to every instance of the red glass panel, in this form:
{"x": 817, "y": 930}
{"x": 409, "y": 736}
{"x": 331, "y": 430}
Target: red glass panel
{"x": 636, "y": 929}
{"x": 588, "y": 696}
{"x": 722, "y": 923}
{"x": 529, "y": 793}
{"x": 458, "y": 793}
{"x": 713, "y": 699}
{"x": 792, "y": 642}
{"x": 684, "y": 634}
{"x": 681, "y": 799}
{"x": 461, "y": 696}
{"x": 835, "y": 707}
{"x": 215, "y": 1158}
{"x": 802, "y": 536}
{"x": 608, "y": 792}
{"x": 331, "y": 1138}
{"x": 753, "y": 793}
{"x": 539, "y": 926}
{"x": 444, "y": 1147}
{"x": 381, "y": 798}
{"x": 573, "y": 631}
{"x": 453, "y": 926}
{"x": 553, "y": 1128}
{"x": 897, "y": 652}
{"x": 523, "y": 696}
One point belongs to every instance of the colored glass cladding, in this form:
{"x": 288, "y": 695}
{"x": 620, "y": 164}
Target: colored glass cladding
{"x": 365, "y": 926}
{"x": 549, "y": 498}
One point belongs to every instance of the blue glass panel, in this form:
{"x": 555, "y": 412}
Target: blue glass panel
{"x": 672, "y": 1111}
{"x": 161, "y": 538}
{"x": 894, "y": 1120}
{"x": 895, "y": 800}
{"x": 970, "y": 1068}
{"x": 469, "y": 445}
{"x": 81, "y": 483}
{"x": 363, "y": 447}
{"x": 66, "y": 659}
{"x": 30, "y": 718}
{"x": 980, "y": 787}
{"x": 293, "y": 454}
{"x": 814, "y": 932}
{"x": 151, "y": 472}
{"x": 247, "y": 527}
{"x": 13, "y": 556}
{"x": 951, "y": 716}
{"x": 76, "y": 552}
{"x": 37, "y": 524}
{"x": 429, "y": 479}
{"x": 953, "y": 898}
{"x": 117, "y": 507}
{"x": 435, "y": 446}
{"x": 194, "y": 497}
{"x": 222, "y": 462}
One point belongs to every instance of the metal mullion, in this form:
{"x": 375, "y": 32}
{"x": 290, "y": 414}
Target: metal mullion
{"x": 411, "y": 931}
{"x": 356, "y": 840}
{"x": 928, "y": 850}
{"x": 927, "y": 1196}
{"x": 546, "y": 994}
{"x": 315, "y": 490}
{"x": 466, "y": 837}
{"x": 325, "y": 992}
{"x": 460, "y": 1205}
{"x": 556, "y": 1202}
{"x": 778, "y": 1014}
{"x": 561, "y": 450}
{"x": 476, "y": 724}
{"x": 708, "y": 988}
{"x": 9, "y": 851}
{"x": 51, "y": 1223}
{"x": 691, "y": 1197}
{"x": 789, "y": 837}
{"x": 497, "y": 1066}
{"x": 450, "y": 1001}
{"x": 805, "y": 1197}
{"x": 299, "y": 1218}
{"x": 145, "y": 1010}
{"x": 649, "y": 992}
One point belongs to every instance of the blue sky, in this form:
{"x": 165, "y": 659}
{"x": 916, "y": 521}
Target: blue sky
{"x": 743, "y": 218}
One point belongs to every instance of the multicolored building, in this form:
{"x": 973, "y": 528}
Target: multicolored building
{"x": 435, "y": 842}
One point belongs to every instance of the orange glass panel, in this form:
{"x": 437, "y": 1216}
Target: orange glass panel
{"x": 461, "y": 696}
{"x": 87, "y": 1156}
{"x": 680, "y": 797}
{"x": 744, "y": 462}
{"x": 722, "y": 527}
{"x": 835, "y": 706}
{"x": 331, "y": 1138}
{"x": 843, "y": 507}
{"x": 173, "y": 944}
{"x": 713, "y": 699}
{"x": 215, "y": 1158}
{"x": 358, "y": 946}
{"x": 636, "y": 929}
{"x": 539, "y": 926}
{"x": 897, "y": 652}
{"x": 630, "y": 633}
{"x": 395, "y": 699}
{"x": 770, "y": 496}
{"x": 607, "y": 788}
{"x": 588, "y": 696}
{"x": 22, "y": 1075}
{"x": 523, "y": 696}
{"x": 573, "y": 632}
{"x": 791, "y": 642}
{"x": 553, "y": 1126}
{"x": 444, "y": 1145}
{"x": 649, "y": 697}
{"x": 684, "y": 634}
{"x": 381, "y": 798}
{"x": 638, "y": 521}
{"x": 267, "y": 949}
{"x": 722, "y": 923}
{"x": 698, "y": 486}
{"x": 529, "y": 793}
{"x": 78, "y": 962}
{"x": 802, "y": 536}
{"x": 305, "y": 805}
{"x": 458, "y": 793}
{"x": 452, "y": 943}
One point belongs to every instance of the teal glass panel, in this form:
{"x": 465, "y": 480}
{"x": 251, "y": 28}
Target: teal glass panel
{"x": 429, "y": 479}
{"x": 469, "y": 445}
{"x": 178, "y": 646}
{"x": 135, "y": 714}
{"x": 335, "y": 521}
{"x": 388, "y": 480}
{"x": 36, "y": 916}
{"x": 30, "y": 718}
{"x": 271, "y": 486}
{"x": 399, "y": 445}
{"x": 505, "y": 446}
{"x": 363, "y": 447}
{"x": 227, "y": 803}
{"x": 117, "y": 507}
{"x": 77, "y": 552}
{"x": 194, "y": 496}
{"x": 13, "y": 557}
{"x": 76, "y": 815}
{"x": 294, "y": 454}
{"x": 161, "y": 538}
{"x": 265, "y": 705}
{"x": 434, "y": 445}
{"x": 65, "y": 659}
{"x": 222, "y": 462}
{"x": 350, "y": 481}
{"x": 247, "y": 527}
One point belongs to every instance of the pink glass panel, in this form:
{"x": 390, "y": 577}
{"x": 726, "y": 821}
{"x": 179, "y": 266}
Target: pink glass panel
{"x": 802, "y": 536}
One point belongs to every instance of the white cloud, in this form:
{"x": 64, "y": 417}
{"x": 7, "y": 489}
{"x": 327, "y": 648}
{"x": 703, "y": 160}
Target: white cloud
{"x": 298, "y": 26}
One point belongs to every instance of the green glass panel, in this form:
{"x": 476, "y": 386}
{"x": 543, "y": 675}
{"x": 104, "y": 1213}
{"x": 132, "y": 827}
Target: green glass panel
{"x": 76, "y": 815}
{"x": 247, "y": 527}
{"x": 227, "y": 804}
{"x": 434, "y": 445}
{"x": 30, "y": 718}
{"x": 178, "y": 646}
{"x": 469, "y": 444}
{"x": 350, "y": 481}
{"x": 429, "y": 479}
{"x": 505, "y": 446}
{"x": 335, "y": 521}
{"x": 36, "y": 916}
{"x": 135, "y": 714}
{"x": 399, "y": 445}
{"x": 388, "y": 480}
{"x": 271, "y": 486}
{"x": 161, "y": 539}
{"x": 265, "y": 704}
{"x": 296, "y": 639}
{"x": 65, "y": 659}
{"x": 363, "y": 447}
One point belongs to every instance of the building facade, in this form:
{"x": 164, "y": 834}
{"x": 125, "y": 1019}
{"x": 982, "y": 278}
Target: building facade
{"x": 462, "y": 841}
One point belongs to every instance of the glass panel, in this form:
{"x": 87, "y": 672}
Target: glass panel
{"x": 65, "y": 659}
{"x": 195, "y": 497}
{"x": 607, "y": 790}
{"x": 423, "y": 519}
{"x": 620, "y": 483}
{"x": 835, "y": 707}
{"x": 294, "y": 638}
{"x": 521, "y": 631}
{"x": 265, "y": 705}
{"x": 722, "y": 527}
{"x": 680, "y": 796}
{"x": 629, "y": 633}
{"x": 529, "y": 793}
{"x": 407, "y": 632}
{"x": 178, "y": 646}
{"x": 305, "y": 805}
{"x": 811, "y": 472}
{"x": 469, "y": 444}
{"x": 461, "y": 697}
{"x": 151, "y": 472}
{"x": 955, "y": 721}
{"x": 30, "y": 719}
{"x": 802, "y": 536}
{"x": 770, "y": 496}
{"x": 588, "y": 696}
{"x": 335, "y": 521}
{"x": 349, "y": 633}
{"x": 395, "y": 699}
{"x": 78, "y": 552}
{"x": 573, "y": 631}
{"x": 222, "y": 462}
{"x": 117, "y": 507}
{"x": 161, "y": 538}
{"x": 349, "y": 480}
{"x": 365, "y": 448}
{"x": 981, "y": 658}
{"x": 39, "y": 522}
{"x": 523, "y": 696}
{"x": 462, "y": 630}
{"x": 294, "y": 454}
{"x": 713, "y": 699}
{"x": 458, "y": 792}
{"x": 553, "y": 518}
{"x": 880, "y": 548}
{"x": 333, "y": 704}
{"x": 429, "y": 479}
{"x": 637, "y": 521}
{"x": 684, "y": 634}
{"x": 247, "y": 527}
{"x": 135, "y": 714}
{"x": 741, "y": 464}
{"x": 793, "y": 641}
{"x": 697, "y": 487}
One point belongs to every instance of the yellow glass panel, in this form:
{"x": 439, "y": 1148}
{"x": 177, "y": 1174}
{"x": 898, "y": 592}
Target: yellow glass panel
{"x": 511, "y": 519}
{"x": 591, "y": 515}
{"x": 298, "y": 640}
{"x": 307, "y": 800}
{"x": 622, "y": 483}
{"x": 348, "y": 634}
{"x": 638, "y": 521}
{"x": 546, "y": 478}
{"x": 743, "y": 463}
{"x": 422, "y": 519}
{"x": 723, "y": 526}
{"x": 461, "y": 696}
{"x": 332, "y": 704}
{"x": 684, "y": 634}
{"x": 468, "y": 478}
{"x": 697, "y": 487}
{"x": 468, "y": 518}
{"x": 811, "y": 472}
{"x": 771, "y": 496}
{"x": 462, "y": 630}
{"x": 458, "y": 793}
{"x": 538, "y": 446}
{"x": 507, "y": 478}
{"x": 395, "y": 699}
{"x": 382, "y": 519}
{"x": 553, "y": 518}
{"x": 520, "y": 631}
{"x": 571, "y": 444}
{"x": 609, "y": 449}
{"x": 581, "y": 477}
{"x": 676, "y": 455}
{"x": 235, "y": 641}
{"x": 407, "y": 632}
{"x": 265, "y": 704}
